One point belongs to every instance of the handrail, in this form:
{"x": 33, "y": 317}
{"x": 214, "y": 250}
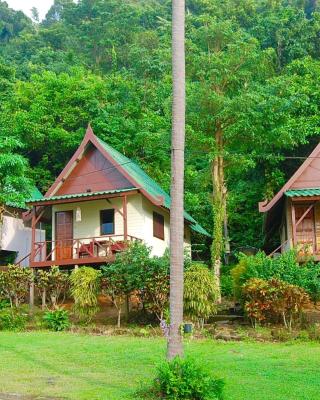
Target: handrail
{"x": 98, "y": 243}
{"x": 22, "y": 259}
{"x": 106, "y": 237}
{"x": 278, "y": 248}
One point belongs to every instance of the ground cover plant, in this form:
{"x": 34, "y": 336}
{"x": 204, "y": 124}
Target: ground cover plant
{"x": 61, "y": 365}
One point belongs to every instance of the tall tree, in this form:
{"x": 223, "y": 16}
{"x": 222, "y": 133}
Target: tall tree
{"x": 177, "y": 180}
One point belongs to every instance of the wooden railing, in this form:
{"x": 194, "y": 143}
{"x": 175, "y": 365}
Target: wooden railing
{"x": 101, "y": 247}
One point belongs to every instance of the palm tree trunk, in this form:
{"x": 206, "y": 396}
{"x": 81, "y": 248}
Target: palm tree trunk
{"x": 177, "y": 180}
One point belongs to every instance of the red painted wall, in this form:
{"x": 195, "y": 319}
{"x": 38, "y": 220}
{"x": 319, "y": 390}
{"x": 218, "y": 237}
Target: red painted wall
{"x": 93, "y": 173}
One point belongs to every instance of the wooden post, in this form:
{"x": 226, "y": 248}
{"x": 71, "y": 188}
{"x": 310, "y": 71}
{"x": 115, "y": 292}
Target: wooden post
{"x": 31, "y": 293}
{"x": 33, "y": 234}
{"x": 294, "y": 227}
{"x": 125, "y": 218}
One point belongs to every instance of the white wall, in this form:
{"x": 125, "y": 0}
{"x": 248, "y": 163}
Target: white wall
{"x": 16, "y": 237}
{"x": 89, "y": 226}
{"x": 140, "y": 220}
{"x": 158, "y": 245}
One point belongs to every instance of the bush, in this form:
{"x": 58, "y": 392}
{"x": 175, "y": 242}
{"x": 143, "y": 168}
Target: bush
{"x": 184, "y": 379}
{"x": 274, "y": 300}
{"x": 15, "y": 283}
{"x": 85, "y": 287}
{"x": 226, "y": 286}
{"x": 52, "y": 284}
{"x": 154, "y": 293}
{"x": 284, "y": 268}
{"x": 201, "y": 293}
{"x": 12, "y": 320}
{"x": 57, "y": 320}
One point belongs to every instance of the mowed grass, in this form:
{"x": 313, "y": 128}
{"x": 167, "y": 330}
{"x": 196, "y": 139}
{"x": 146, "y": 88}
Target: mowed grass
{"x": 112, "y": 368}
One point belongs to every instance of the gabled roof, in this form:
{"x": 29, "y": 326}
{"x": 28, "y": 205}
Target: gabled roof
{"x": 128, "y": 168}
{"x": 306, "y": 177}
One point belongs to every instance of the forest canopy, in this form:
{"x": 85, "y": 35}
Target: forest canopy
{"x": 253, "y": 94}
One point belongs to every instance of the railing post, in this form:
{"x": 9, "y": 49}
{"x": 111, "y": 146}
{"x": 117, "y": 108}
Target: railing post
{"x": 125, "y": 218}
{"x": 294, "y": 227}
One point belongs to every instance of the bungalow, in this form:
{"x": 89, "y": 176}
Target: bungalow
{"x": 15, "y": 233}
{"x": 294, "y": 212}
{"x": 101, "y": 201}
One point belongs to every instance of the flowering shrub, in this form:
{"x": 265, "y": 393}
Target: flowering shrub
{"x": 274, "y": 300}
{"x": 285, "y": 268}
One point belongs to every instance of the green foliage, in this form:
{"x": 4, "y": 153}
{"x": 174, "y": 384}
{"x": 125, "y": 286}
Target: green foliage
{"x": 184, "y": 379}
{"x": 15, "y": 283}
{"x": 52, "y": 284}
{"x": 85, "y": 287}
{"x": 155, "y": 291}
{"x": 252, "y": 67}
{"x": 201, "y": 292}
{"x": 57, "y": 320}
{"x": 136, "y": 271}
{"x": 226, "y": 285}
{"x": 285, "y": 268}
{"x": 272, "y": 299}
{"x": 15, "y": 187}
{"x": 126, "y": 274}
{"x": 12, "y": 320}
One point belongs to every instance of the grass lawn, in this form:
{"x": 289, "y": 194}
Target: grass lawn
{"x": 111, "y": 368}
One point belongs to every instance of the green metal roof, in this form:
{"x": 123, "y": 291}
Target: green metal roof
{"x": 81, "y": 195}
{"x": 148, "y": 184}
{"x": 303, "y": 192}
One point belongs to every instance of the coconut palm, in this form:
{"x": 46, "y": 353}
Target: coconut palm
{"x": 177, "y": 180}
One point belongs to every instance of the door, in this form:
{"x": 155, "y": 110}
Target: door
{"x": 306, "y": 228}
{"x": 64, "y": 235}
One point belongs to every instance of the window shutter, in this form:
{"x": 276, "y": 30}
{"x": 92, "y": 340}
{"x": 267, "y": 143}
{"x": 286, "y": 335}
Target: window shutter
{"x": 158, "y": 226}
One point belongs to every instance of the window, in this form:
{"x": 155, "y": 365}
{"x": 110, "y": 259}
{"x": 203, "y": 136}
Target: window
{"x": 158, "y": 226}
{"x": 107, "y": 222}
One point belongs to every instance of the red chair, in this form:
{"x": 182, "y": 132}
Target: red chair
{"x": 118, "y": 246}
{"x": 87, "y": 250}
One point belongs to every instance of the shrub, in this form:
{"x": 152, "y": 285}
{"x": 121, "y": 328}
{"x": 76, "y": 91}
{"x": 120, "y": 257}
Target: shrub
{"x": 274, "y": 299}
{"x": 184, "y": 379}
{"x": 156, "y": 286}
{"x": 57, "y": 320}
{"x": 136, "y": 271}
{"x": 4, "y": 304}
{"x": 15, "y": 283}
{"x": 226, "y": 286}
{"x": 284, "y": 268}
{"x": 52, "y": 284}
{"x": 201, "y": 293}
{"x": 85, "y": 287}
{"x": 12, "y": 320}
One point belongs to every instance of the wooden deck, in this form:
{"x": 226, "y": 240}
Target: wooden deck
{"x": 80, "y": 251}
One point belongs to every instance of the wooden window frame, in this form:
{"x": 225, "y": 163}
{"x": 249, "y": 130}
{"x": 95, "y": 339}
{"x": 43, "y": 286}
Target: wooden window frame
{"x": 158, "y": 222}
{"x": 114, "y": 222}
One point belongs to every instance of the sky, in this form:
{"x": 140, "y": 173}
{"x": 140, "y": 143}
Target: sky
{"x": 26, "y": 5}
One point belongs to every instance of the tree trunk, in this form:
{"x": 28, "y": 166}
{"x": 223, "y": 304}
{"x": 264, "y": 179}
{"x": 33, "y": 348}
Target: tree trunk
{"x": 119, "y": 317}
{"x": 219, "y": 205}
{"x": 177, "y": 181}
{"x": 43, "y": 299}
